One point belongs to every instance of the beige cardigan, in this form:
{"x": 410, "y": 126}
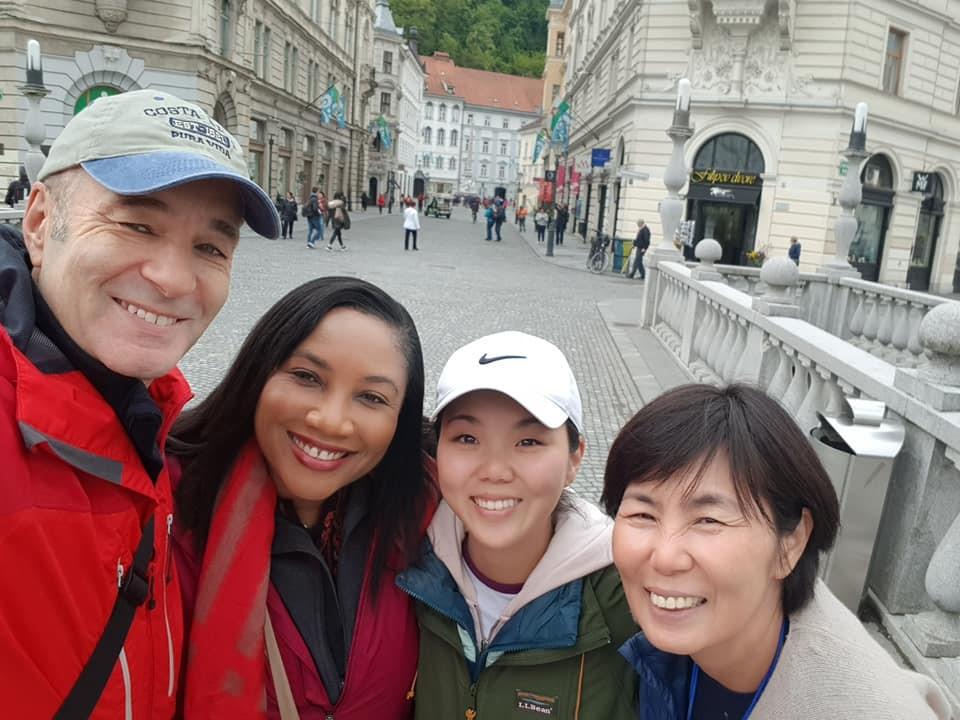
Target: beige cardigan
{"x": 831, "y": 669}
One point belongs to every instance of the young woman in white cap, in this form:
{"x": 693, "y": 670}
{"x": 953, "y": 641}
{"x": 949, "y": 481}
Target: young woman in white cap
{"x": 519, "y": 605}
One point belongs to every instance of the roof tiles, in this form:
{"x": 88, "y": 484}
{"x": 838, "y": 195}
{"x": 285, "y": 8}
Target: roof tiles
{"x": 482, "y": 87}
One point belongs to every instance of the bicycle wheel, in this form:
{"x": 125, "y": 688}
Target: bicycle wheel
{"x": 598, "y": 261}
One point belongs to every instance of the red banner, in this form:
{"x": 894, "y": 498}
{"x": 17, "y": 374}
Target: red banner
{"x": 561, "y": 176}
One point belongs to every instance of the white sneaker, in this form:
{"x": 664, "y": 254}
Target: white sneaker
{"x": 327, "y": 248}
{"x": 343, "y": 248}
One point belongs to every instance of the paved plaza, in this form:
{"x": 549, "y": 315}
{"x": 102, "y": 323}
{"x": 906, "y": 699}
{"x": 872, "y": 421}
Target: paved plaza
{"x": 458, "y": 287}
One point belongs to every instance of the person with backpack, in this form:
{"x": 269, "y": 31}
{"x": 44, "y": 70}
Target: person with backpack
{"x": 491, "y": 220}
{"x": 411, "y": 225}
{"x": 313, "y": 211}
{"x": 560, "y": 224}
{"x": 499, "y": 215}
{"x": 520, "y": 607}
{"x": 123, "y": 263}
{"x": 18, "y": 189}
{"x": 288, "y": 216}
{"x": 339, "y": 219}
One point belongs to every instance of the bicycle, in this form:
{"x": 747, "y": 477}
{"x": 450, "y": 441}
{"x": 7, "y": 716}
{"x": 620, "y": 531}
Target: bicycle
{"x": 598, "y": 257}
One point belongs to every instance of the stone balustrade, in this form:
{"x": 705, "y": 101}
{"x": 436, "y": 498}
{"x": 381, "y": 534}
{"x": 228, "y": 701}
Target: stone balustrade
{"x": 901, "y": 348}
{"x": 11, "y": 215}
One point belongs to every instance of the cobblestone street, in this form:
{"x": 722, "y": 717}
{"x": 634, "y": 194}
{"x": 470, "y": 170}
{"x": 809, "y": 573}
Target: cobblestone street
{"x": 457, "y": 287}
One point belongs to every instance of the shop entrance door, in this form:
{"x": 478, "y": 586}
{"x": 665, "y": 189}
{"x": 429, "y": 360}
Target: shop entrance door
{"x": 728, "y": 224}
{"x": 866, "y": 250}
{"x": 924, "y": 247}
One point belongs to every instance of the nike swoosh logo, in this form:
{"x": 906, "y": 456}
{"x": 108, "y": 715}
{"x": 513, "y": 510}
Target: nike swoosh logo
{"x": 484, "y": 360}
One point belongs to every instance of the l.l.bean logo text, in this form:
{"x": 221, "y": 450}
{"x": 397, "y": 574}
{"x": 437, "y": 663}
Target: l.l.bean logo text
{"x": 541, "y": 705}
{"x": 719, "y": 177}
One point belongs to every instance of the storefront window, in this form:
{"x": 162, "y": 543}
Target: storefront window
{"x": 873, "y": 217}
{"x": 92, "y": 94}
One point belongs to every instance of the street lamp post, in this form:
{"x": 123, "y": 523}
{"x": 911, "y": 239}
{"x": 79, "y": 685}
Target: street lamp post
{"x": 671, "y": 207}
{"x": 270, "y": 166}
{"x": 34, "y": 131}
{"x": 851, "y": 193}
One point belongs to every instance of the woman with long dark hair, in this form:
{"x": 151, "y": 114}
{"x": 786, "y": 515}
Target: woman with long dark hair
{"x": 301, "y": 490}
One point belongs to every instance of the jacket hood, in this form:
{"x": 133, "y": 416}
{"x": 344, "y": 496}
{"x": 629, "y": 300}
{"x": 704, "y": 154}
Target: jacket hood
{"x": 581, "y": 544}
{"x": 16, "y": 288}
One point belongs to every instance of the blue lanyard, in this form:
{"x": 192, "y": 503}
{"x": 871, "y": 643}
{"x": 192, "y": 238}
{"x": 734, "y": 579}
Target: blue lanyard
{"x": 695, "y": 676}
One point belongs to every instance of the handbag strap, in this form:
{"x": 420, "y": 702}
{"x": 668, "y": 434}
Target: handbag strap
{"x": 281, "y": 685}
{"x": 132, "y": 593}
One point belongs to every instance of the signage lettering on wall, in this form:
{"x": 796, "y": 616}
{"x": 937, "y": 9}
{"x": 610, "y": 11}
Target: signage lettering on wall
{"x": 599, "y": 157}
{"x": 720, "y": 177}
{"x": 921, "y": 181}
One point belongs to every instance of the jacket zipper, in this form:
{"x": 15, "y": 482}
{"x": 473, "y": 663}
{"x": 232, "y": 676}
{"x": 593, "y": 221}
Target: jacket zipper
{"x": 166, "y": 577}
{"x": 127, "y": 689}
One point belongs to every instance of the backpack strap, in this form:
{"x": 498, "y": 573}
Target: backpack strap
{"x": 133, "y": 592}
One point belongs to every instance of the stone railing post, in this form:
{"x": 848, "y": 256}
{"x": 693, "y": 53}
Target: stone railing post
{"x": 671, "y": 207}
{"x": 708, "y": 252}
{"x": 910, "y": 569}
{"x": 781, "y": 276}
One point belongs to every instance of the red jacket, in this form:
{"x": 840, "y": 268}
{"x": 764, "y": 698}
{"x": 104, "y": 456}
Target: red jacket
{"x": 382, "y": 659}
{"x": 73, "y": 499}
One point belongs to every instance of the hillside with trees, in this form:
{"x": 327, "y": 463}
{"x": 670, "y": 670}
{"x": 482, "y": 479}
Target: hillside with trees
{"x": 507, "y": 36}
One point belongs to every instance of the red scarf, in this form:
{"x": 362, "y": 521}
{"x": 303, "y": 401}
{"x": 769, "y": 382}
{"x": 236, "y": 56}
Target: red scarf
{"x": 226, "y": 668}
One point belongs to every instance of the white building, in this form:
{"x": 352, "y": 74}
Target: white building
{"x": 774, "y": 89}
{"x": 398, "y": 98}
{"x": 475, "y": 147}
{"x": 258, "y": 67}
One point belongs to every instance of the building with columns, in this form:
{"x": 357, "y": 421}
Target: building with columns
{"x": 260, "y": 69}
{"x": 399, "y": 99}
{"x": 774, "y": 90}
{"x": 471, "y": 127}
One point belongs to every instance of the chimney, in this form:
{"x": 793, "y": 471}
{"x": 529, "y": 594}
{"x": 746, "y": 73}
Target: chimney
{"x": 412, "y": 36}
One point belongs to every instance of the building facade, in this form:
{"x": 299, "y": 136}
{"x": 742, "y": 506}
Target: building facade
{"x": 471, "y": 127}
{"x": 398, "y": 99}
{"x": 774, "y": 91}
{"x": 259, "y": 68}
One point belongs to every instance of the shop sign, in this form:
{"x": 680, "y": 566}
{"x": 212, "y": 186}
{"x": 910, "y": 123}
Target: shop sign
{"x": 722, "y": 177}
{"x": 599, "y": 157}
{"x": 550, "y": 175}
{"x": 921, "y": 181}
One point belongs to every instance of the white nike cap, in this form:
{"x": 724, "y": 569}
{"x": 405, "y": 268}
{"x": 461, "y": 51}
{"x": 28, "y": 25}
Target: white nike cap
{"x": 523, "y": 367}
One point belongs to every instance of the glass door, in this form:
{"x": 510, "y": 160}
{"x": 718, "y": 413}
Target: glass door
{"x": 725, "y": 223}
{"x": 924, "y": 247}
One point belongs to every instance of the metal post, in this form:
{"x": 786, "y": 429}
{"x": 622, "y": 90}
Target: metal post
{"x": 671, "y": 207}
{"x": 270, "y": 168}
{"x": 34, "y": 130}
{"x": 851, "y": 193}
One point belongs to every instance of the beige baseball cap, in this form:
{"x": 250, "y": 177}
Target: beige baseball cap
{"x": 145, "y": 141}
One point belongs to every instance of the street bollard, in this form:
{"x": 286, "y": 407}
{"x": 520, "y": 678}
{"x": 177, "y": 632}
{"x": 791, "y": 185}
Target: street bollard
{"x": 551, "y": 229}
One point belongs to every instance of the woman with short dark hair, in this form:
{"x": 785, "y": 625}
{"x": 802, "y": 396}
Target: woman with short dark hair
{"x": 301, "y": 491}
{"x": 721, "y": 511}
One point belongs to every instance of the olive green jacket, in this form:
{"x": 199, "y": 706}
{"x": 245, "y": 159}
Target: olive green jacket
{"x": 555, "y": 657}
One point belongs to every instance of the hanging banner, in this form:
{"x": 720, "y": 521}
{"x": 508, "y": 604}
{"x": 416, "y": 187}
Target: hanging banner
{"x": 539, "y": 144}
{"x": 561, "y": 176}
{"x": 560, "y": 127}
{"x": 329, "y": 104}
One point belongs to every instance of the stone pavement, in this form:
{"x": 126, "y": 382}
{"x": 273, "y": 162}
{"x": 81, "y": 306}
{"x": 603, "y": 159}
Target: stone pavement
{"x": 458, "y": 287}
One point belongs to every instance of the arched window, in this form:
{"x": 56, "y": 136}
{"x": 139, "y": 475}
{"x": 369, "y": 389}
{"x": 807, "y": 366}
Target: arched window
{"x": 93, "y": 94}
{"x": 441, "y": 133}
{"x": 428, "y": 111}
{"x": 455, "y": 114}
{"x": 427, "y": 135}
{"x": 730, "y": 151}
{"x": 453, "y": 137}
{"x": 877, "y": 173}
{"x": 442, "y": 113}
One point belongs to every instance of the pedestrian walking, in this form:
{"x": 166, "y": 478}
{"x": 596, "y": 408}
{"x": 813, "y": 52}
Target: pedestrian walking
{"x": 540, "y": 221}
{"x": 381, "y": 202}
{"x": 522, "y": 218}
{"x": 546, "y": 612}
{"x": 499, "y": 215}
{"x": 364, "y": 200}
{"x": 288, "y": 216}
{"x": 123, "y": 263}
{"x": 560, "y": 223}
{"x": 491, "y": 221}
{"x": 722, "y": 513}
{"x": 390, "y": 201}
{"x": 794, "y": 252}
{"x": 18, "y": 189}
{"x": 411, "y": 225}
{"x": 641, "y": 243}
{"x": 313, "y": 211}
{"x": 339, "y": 220}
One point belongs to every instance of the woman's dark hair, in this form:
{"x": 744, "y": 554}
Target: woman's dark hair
{"x": 208, "y": 438}
{"x": 771, "y": 462}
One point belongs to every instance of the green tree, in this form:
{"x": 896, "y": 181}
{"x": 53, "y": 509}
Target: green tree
{"x": 502, "y": 35}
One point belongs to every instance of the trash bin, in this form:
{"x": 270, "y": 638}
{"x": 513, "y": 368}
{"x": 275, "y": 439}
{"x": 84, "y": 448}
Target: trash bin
{"x": 857, "y": 450}
{"x": 617, "y": 254}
